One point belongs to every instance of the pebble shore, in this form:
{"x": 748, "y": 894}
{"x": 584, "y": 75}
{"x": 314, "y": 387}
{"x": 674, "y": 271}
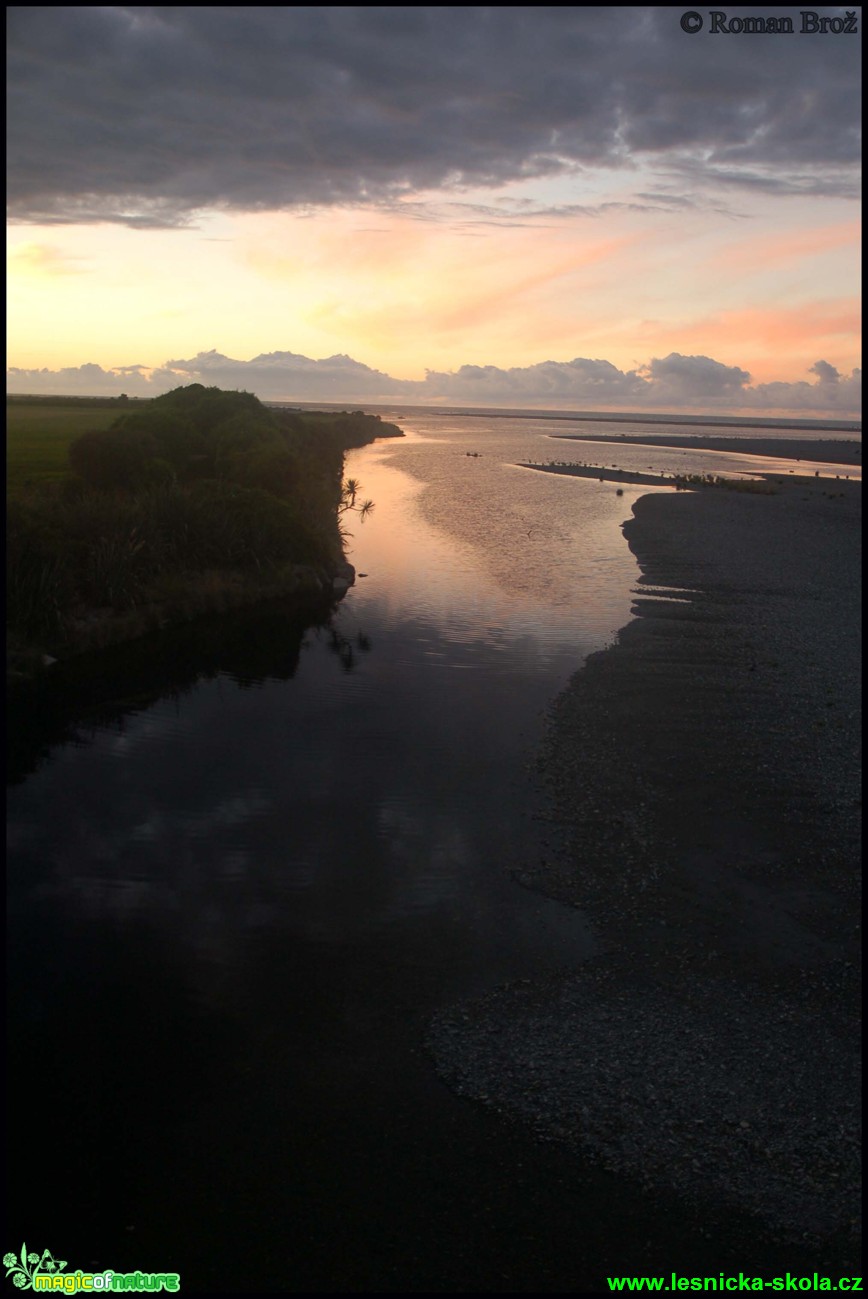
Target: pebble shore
{"x": 700, "y": 785}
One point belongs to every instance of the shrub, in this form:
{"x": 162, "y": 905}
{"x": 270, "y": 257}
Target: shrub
{"x": 111, "y": 460}
{"x": 197, "y": 480}
{"x": 39, "y": 586}
{"x": 168, "y": 436}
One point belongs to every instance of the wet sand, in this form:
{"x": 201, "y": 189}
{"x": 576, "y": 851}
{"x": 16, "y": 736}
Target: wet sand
{"x": 702, "y": 793}
{"x": 604, "y": 475}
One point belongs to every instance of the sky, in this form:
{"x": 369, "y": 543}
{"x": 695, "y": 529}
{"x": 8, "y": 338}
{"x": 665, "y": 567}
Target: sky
{"x": 576, "y": 207}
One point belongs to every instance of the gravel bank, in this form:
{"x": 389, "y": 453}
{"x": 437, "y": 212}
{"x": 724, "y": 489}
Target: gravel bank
{"x": 701, "y": 787}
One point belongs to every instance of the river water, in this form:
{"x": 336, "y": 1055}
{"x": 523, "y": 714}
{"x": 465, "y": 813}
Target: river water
{"x": 247, "y": 862}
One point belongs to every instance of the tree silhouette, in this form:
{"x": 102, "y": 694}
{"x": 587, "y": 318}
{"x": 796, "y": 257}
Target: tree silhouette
{"x": 349, "y": 492}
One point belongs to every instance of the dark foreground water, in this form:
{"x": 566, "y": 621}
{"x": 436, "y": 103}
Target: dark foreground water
{"x": 249, "y": 859}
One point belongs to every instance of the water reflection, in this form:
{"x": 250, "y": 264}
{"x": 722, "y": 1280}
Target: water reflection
{"x": 476, "y": 543}
{"x": 79, "y": 698}
{"x": 240, "y": 902}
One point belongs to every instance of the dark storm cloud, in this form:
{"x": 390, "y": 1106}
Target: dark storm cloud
{"x": 826, "y": 182}
{"x": 144, "y": 115}
{"x": 671, "y": 383}
{"x": 523, "y": 213}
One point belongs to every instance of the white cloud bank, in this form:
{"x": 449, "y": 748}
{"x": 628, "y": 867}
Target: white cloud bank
{"x": 672, "y": 383}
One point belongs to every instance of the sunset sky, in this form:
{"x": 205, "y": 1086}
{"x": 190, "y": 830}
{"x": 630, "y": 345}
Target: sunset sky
{"x": 575, "y": 207}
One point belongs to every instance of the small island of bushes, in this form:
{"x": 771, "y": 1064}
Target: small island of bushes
{"x": 196, "y": 501}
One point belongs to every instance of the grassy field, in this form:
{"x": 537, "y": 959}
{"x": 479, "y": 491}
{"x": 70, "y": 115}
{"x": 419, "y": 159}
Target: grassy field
{"x": 38, "y": 434}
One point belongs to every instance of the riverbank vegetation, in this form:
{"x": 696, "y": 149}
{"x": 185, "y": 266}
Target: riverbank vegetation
{"x": 690, "y": 482}
{"x": 197, "y": 500}
{"x": 681, "y": 482}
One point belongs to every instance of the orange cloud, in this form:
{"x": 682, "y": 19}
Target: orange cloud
{"x": 795, "y": 245}
{"x": 415, "y": 292}
{"x": 481, "y": 305}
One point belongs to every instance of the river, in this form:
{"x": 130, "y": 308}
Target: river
{"x": 244, "y": 870}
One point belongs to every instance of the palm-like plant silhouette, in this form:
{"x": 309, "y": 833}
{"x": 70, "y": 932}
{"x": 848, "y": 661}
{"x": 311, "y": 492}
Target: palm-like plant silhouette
{"x": 349, "y": 492}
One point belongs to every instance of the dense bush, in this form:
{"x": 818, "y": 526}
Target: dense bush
{"x": 193, "y": 434}
{"x": 112, "y": 459}
{"x": 170, "y": 437}
{"x": 39, "y": 584}
{"x": 195, "y": 481}
{"x": 198, "y": 433}
{"x": 104, "y": 550}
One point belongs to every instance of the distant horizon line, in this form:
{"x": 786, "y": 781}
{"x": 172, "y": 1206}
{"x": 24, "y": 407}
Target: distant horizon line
{"x": 564, "y": 414}
{"x": 615, "y": 417}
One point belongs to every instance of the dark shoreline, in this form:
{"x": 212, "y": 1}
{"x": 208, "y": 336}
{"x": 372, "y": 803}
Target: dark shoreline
{"x": 834, "y": 451}
{"x": 300, "y": 588}
{"x": 764, "y": 484}
{"x": 702, "y": 791}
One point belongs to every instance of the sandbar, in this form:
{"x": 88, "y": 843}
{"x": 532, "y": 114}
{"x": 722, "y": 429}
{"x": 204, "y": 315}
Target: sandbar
{"x": 830, "y": 451}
